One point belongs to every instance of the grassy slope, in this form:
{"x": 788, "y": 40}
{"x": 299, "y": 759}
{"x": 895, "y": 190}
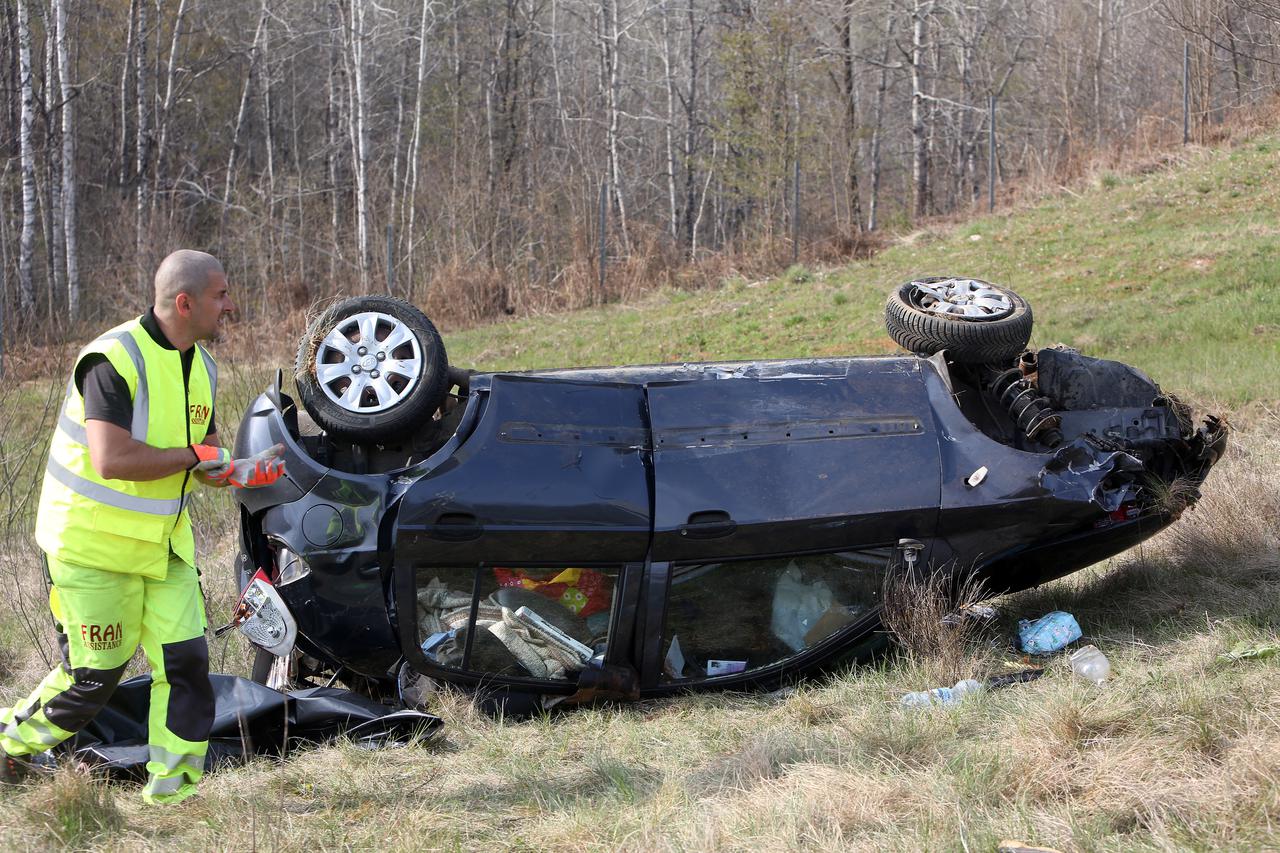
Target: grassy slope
{"x": 1175, "y": 271}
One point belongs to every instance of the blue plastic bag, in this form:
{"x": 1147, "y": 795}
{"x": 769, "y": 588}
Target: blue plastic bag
{"x": 1047, "y": 634}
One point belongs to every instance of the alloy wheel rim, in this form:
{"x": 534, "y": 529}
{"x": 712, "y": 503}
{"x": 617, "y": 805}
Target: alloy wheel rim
{"x": 368, "y": 362}
{"x": 961, "y": 299}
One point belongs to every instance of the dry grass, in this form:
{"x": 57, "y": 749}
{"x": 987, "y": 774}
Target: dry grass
{"x": 1179, "y": 751}
{"x": 916, "y": 607}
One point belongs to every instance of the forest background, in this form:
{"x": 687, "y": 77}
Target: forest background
{"x": 490, "y": 157}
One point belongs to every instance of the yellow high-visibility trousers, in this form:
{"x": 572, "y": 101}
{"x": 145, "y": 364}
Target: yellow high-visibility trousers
{"x": 102, "y": 618}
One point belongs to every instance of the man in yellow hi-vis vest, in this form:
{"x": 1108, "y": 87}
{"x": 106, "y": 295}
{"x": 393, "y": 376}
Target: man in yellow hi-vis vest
{"x": 136, "y": 428}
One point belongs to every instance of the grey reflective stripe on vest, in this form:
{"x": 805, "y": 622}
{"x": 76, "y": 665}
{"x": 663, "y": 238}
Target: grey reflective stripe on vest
{"x": 76, "y": 432}
{"x": 211, "y": 369}
{"x": 109, "y": 496}
{"x": 141, "y": 398}
{"x": 73, "y": 430}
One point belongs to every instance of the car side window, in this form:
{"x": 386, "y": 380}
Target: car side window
{"x": 514, "y": 621}
{"x": 731, "y": 617}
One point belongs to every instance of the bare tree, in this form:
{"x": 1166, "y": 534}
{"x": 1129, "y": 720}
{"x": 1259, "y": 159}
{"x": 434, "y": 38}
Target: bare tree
{"x": 241, "y": 118}
{"x": 849, "y": 94}
{"x": 921, "y": 12}
{"x": 27, "y": 240}
{"x": 877, "y": 134}
{"x": 484, "y": 129}
{"x": 142, "y": 151}
{"x": 356, "y": 35}
{"x": 610, "y": 88}
{"x": 126, "y": 66}
{"x": 55, "y": 243}
{"x": 415, "y": 144}
{"x": 70, "y": 189}
{"x": 166, "y": 107}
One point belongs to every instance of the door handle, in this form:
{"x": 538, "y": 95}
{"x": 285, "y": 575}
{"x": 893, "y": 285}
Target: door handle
{"x": 455, "y": 527}
{"x": 708, "y": 524}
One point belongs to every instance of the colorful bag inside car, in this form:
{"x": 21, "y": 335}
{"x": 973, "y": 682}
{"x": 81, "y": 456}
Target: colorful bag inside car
{"x": 583, "y": 591}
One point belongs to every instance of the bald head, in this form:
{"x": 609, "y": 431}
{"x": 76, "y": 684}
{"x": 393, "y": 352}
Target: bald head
{"x": 185, "y": 271}
{"x": 192, "y": 299}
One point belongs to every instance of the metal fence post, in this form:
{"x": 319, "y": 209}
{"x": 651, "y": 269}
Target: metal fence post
{"x": 991, "y": 154}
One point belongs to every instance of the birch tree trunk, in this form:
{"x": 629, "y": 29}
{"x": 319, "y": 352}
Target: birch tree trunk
{"x": 353, "y": 58}
{"x": 27, "y": 155}
{"x": 142, "y": 151}
{"x": 919, "y": 133}
{"x": 411, "y": 199}
{"x": 122, "y": 152}
{"x": 69, "y": 186}
{"x": 669, "y": 129}
{"x": 356, "y": 36}
{"x": 609, "y": 59}
{"x": 55, "y": 246}
{"x": 393, "y": 197}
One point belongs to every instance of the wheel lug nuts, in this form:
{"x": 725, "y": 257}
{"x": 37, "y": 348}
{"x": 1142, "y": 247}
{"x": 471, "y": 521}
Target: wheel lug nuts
{"x": 382, "y": 356}
{"x": 362, "y": 350}
{"x": 355, "y": 368}
{"x": 374, "y": 374}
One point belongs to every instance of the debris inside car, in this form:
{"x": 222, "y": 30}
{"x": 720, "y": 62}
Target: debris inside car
{"x": 562, "y": 536}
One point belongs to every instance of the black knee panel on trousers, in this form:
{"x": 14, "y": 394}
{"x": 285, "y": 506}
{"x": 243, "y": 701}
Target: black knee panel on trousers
{"x": 73, "y": 708}
{"x": 190, "y": 711}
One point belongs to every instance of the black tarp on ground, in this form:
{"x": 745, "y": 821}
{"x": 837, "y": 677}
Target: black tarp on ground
{"x": 249, "y": 719}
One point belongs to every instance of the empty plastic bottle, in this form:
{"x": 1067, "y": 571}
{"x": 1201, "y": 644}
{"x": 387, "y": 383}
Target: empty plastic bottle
{"x": 941, "y": 695}
{"x": 1090, "y": 664}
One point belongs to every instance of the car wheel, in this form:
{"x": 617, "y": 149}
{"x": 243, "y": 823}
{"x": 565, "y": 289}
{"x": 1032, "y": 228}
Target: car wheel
{"x": 371, "y": 369}
{"x": 975, "y": 321}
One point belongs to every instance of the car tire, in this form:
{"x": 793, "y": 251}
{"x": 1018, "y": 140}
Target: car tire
{"x": 371, "y": 369}
{"x": 975, "y": 321}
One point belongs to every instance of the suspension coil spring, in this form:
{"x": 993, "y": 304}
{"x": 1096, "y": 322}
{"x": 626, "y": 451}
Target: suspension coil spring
{"x": 1030, "y": 412}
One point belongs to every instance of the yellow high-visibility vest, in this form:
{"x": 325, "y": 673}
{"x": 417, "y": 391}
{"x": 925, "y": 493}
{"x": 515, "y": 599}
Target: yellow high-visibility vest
{"x": 122, "y": 525}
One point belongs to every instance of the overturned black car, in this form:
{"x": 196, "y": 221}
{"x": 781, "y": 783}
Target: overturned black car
{"x": 565, "y": 535}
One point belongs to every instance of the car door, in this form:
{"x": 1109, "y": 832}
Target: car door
{"x": 780, "y": 493}
{"x": 516, "y": 557}
{"x": 791, "y": 457}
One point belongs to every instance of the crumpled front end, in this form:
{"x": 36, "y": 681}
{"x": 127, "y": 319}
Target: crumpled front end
{"x": 1058, "y": 463}
{"x": 314, "y": 535}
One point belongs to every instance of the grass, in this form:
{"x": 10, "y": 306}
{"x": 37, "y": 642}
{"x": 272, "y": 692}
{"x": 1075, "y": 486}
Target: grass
{"x": 1174, "y": 271}
{"x": 1148, "y": 269}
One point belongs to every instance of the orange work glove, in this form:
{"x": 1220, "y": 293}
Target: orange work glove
{"x": 211, "y": 461}
{"x": 261, "y": 469}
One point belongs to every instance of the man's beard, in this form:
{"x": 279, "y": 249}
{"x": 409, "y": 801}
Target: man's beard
{"x": 218, "y": 335}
